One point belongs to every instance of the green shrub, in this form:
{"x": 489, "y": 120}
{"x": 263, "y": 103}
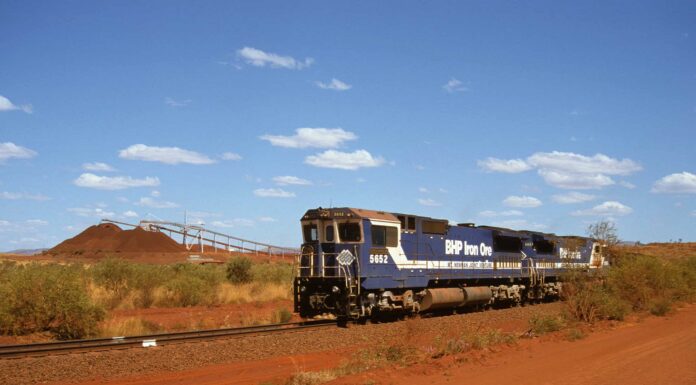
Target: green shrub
{"x": 281, "y": 316}
{"x": 193, "y": 285}
{"x": 49, "y": 298}
{"x": 113, "y": 274}
{"x": 146, "y": 279}
{"x": 239, "y": 269}
{"x": 267, "y": 272}
{"x": 660, "y": 307}
{"x": 635, "y": 282}
{"x": 575, "y": 334}
{"x": 542, "y": 324}
{"x": 589, "y": 299}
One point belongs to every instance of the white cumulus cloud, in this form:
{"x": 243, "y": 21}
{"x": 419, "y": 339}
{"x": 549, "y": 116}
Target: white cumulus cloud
{"x": 344, "y": 160}
{"x": 572, "y": 197}
{"x": 575, "y": 163}
{"x": 176, "y": 103}
{"x": 429, "y": 202}
{"x": 259, "y": 58}
{"x": 567, "y": 170}
{"x": 519, "y": 224}
{"x": 575, "y": 181}
{"x": 507, "y": 213}
{"x": 91, "y": 212}
{"x": 231, "y": 156}
{"x": 521, "y": 201}
{"x": 312, "y": 137}
{"x": 9, "y": 150}
{"x": 334, "y": 84}
{"x": 609, "y": 208}
{"x": 36, "y": 222}
{"x": 155, "y": 203}
{"x": 627, "y": 184}
{"x": 290, "y": 180}
{"x": 273, "y": 193}
{"x": 97, "y": 166}
{"x": 90, "y": 180}
{"x": 7, "y": 105}
{"x": 510, "y": 166}
{"x": 678, "y": 183}
{"x": 454, "y": 85}
{"x": 167, "y": 155}
{"x": 20, "y": 195}
{"x": 236, "y": 222}
{"x": 130, "y": 214}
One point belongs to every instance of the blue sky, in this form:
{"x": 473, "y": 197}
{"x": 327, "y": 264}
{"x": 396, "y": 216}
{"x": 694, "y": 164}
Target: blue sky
{"x": 543, "y": 115}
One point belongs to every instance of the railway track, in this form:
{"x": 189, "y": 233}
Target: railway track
{"x": 146, "y": 341}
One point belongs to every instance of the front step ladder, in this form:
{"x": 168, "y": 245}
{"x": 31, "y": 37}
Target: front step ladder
{"x": 353, "y": 309}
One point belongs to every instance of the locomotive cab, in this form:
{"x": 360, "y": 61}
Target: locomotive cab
{"x": 328, "y": 270}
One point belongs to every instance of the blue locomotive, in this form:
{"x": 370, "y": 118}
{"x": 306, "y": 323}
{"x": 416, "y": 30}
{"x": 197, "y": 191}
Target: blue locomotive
{"x": 359, "y": 264}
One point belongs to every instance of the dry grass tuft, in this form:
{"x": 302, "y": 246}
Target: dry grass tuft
{"x": 131, "y": 326}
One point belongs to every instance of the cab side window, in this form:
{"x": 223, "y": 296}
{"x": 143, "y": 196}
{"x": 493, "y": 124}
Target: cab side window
{"x": 385, "y": 236}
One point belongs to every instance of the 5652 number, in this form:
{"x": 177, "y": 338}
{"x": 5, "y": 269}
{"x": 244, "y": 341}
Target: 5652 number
{"x": 379, "y": 258}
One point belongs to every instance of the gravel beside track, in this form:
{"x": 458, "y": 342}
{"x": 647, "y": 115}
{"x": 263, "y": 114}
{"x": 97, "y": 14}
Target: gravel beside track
{"x": 138, "y": 361}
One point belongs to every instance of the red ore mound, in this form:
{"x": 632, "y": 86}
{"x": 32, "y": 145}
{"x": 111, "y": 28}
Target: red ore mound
{"x": 109, "y": 237}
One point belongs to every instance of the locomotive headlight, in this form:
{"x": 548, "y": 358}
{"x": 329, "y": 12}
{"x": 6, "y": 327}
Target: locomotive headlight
{"x": 335, "y": 290}
{"x": 303, "y": 289}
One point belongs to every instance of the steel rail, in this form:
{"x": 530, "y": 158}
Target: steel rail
{"x": 98, "y": 344}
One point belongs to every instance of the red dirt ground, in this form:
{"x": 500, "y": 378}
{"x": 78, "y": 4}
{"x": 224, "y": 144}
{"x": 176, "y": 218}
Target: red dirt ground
{"x": 651, "y": 351}
{"x": 655, "y": 351}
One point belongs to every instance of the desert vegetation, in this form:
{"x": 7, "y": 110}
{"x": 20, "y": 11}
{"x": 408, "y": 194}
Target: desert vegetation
{"x": 70, "y": 301}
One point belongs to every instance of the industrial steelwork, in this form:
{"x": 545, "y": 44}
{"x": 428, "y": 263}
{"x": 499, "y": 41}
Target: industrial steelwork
{"x": 197, "y": 238}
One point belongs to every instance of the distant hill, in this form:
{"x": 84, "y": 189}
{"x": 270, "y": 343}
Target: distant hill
{"x": 26, "y": 251}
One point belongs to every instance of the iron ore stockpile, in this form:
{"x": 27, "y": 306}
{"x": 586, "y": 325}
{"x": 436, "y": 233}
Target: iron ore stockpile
{"x": 105, "y": 239}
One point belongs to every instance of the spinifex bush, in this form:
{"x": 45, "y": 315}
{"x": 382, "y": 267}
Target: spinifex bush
{"x": 113, "y": 275}
{"x": 239, "y": 269}
{"x": 589, "y": 299}
{"x": 47, "y": 298}
{"x": 146, "y": 279}
{"x": 267, "y": 272}
{"x": 193, "y": 285}
{"x": 647, "y": 282}
{"x": 542, "y": 324}
{"x": 635, "y": 282}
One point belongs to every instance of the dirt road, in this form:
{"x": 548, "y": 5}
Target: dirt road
{"x": 654, "y": 351}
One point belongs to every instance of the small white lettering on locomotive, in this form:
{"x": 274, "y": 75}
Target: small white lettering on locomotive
{"x": 567, "y": 254}
{"x": 455, "y": 247}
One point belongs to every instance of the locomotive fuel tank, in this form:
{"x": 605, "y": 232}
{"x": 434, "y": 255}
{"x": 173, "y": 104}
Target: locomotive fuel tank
{"x": 443, "y": 298}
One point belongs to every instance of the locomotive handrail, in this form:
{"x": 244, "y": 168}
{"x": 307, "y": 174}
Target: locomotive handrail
{"x": 324, "y": 267}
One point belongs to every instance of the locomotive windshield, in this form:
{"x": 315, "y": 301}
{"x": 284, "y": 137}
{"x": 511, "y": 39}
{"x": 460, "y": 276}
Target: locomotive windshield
{"x": 349, "y": 232}
{"x": 310, "y": 232}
